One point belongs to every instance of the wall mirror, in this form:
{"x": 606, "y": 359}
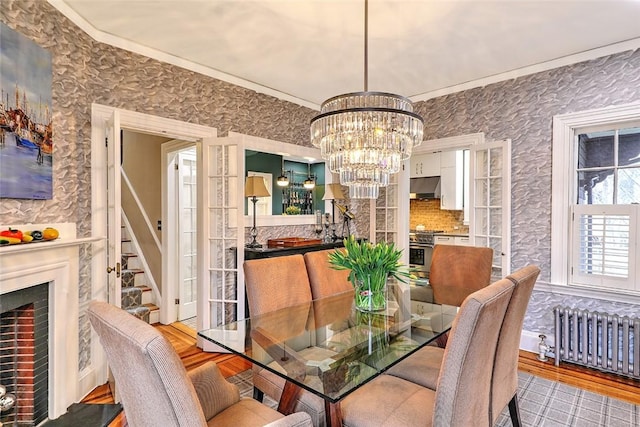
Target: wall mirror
{"x": 294, "y": 203}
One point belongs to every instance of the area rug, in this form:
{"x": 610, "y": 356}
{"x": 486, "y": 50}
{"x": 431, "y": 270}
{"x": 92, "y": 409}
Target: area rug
{"x": 542, "y": 403}
{"x": 550, "y": 404}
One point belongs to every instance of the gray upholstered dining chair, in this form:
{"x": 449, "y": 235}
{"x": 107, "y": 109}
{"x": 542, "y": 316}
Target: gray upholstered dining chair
{"x": 423, "y": 367}
{"x": 462, "y": 394}
{"x": 155, "y": 388}
{"x": 273, "y": 284}
{"x": 505, "y": 369}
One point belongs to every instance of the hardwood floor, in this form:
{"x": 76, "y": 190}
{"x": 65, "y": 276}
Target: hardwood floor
{"x": 611, "y": 385}
{"x": 184, "y": 341}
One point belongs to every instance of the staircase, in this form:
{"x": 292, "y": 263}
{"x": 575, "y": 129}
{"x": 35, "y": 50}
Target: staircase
{"x": 137, "y": 296}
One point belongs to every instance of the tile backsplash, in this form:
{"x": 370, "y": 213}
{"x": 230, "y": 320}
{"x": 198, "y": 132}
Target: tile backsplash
{"x": 429, "y": 214}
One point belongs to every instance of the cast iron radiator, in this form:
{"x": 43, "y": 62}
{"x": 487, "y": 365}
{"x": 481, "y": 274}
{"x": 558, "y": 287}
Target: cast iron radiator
{"x": 604, "y": 341}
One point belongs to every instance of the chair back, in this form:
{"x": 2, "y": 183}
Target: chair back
{"x": 324, "y": 280}
{"x": 151, "y": 379}
{"x": 464, "y": 384}
{"x": 505, "y": 368}
{"x": 458, "y": 271}
{"x": 275, "y": 283}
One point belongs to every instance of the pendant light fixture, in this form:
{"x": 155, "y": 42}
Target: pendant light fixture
{"x": 283, "y": 180}
{"x": 309, "y": 183}
{"x": 365, "y": 136}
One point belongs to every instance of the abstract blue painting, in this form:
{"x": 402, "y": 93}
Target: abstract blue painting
{"x": 26, "y": 144}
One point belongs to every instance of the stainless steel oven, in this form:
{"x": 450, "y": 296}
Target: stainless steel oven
{"x": 420, "y": 251}
{"x": 420, "y": 259}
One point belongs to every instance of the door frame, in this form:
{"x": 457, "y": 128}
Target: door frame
{"x": 170, "y": 216}
{"x": 143, "y": 123}
{"x": 467, "y": 141}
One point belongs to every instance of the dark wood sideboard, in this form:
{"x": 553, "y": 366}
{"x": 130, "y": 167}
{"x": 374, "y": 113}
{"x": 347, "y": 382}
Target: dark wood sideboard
{"x": 265, "y": 252}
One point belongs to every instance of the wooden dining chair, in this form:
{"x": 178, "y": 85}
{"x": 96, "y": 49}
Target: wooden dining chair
{"x": 463, "y": 390}
{"x": 273, "y": 284}
{"x": 155, "y": 388}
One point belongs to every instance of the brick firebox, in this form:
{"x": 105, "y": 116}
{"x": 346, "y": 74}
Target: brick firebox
{"x": 24, "y": 330}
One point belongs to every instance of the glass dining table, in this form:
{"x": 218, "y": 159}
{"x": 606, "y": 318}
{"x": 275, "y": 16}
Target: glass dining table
{"x": 329, "y": 348}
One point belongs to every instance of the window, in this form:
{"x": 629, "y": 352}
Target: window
{"x": 601, "y": 192}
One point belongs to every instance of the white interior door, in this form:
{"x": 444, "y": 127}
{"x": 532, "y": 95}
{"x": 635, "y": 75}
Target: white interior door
{"x": 490, "y": 198}
{"x": 187, "y": 198}
{"x": 221, "y": 234}
{"x": 114, "y": 210}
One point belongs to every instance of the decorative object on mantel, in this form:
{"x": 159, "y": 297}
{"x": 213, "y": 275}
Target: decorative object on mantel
{"x": 371, "y": 265}
{"x": 254, "y": 187}
{"x": 365, "y": 136}
{"x": 13, "y": 236}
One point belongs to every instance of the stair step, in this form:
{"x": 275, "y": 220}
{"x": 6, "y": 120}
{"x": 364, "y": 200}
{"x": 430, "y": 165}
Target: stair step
{"x": 128, "y": 260}
{"x": 151, "y": 306}
{"x": 140, "y": 312}
{"x": 147, "y": 293}
{"x": 154, "y": 312}
{"x": 131, "y": 297}
{"x": 129, "y": 276}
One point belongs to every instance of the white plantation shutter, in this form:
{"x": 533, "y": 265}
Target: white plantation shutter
{"x": 604, "y": 248}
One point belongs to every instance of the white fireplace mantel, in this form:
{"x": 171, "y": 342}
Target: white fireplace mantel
{"x": 55, "y": 263}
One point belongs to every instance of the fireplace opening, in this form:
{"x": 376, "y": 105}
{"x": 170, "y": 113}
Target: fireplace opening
{"x": 24, "y": 354}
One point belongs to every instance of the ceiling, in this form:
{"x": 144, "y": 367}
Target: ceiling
{"x": 306, "y": 51}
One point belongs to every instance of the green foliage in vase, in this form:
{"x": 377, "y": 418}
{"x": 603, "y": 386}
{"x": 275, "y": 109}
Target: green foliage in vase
{"x": 369, "y": 266}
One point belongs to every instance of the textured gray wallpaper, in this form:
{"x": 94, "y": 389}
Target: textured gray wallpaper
{"x": 522, "y": 110}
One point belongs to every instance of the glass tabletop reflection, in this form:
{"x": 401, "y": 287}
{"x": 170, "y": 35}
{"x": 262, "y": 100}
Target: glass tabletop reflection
{"x": 328, "y": 347}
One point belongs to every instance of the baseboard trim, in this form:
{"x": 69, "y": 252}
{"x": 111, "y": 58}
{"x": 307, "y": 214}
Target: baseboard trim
{"x": 87, "y": 382}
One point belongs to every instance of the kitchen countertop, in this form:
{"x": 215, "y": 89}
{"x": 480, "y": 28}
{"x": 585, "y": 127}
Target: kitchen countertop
{"x": 453, "y": 233}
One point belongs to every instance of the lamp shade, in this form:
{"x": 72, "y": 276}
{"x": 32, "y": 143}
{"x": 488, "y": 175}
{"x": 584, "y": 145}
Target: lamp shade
{"x": 254, "y": 186}
{"x": 333, "y": 192}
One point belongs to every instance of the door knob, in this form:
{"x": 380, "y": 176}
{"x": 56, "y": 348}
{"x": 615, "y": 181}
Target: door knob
{"x": 116, "y": 269}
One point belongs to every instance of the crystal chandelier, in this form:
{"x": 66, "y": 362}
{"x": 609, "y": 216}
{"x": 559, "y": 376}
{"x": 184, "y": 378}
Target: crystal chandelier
{"x": 365, "y": 136}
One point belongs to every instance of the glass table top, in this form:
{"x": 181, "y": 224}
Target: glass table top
{"x": 328, "y": 347}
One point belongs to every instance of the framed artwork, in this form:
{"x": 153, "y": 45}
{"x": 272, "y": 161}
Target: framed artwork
{"x": 26, "y": 143}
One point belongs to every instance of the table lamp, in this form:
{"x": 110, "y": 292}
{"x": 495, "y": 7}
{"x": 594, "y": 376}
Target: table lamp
{"x": 333, "y": 192}
{"x": 254, "y": 187}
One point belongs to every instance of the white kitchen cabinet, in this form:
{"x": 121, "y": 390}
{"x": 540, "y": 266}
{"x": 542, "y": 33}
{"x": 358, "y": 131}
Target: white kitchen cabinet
{"x": 462, "y": 241}
{"x": 443, "y": 240}
{"x": 426, "y": 164}
{"x": 451, "y": 240}
{"x": 452, "y": 180}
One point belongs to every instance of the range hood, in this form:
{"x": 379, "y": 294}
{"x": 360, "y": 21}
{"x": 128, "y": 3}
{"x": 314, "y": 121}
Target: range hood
{"x": 424, "y": 188}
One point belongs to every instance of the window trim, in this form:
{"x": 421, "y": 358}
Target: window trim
{"x": 565, "y": 129}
